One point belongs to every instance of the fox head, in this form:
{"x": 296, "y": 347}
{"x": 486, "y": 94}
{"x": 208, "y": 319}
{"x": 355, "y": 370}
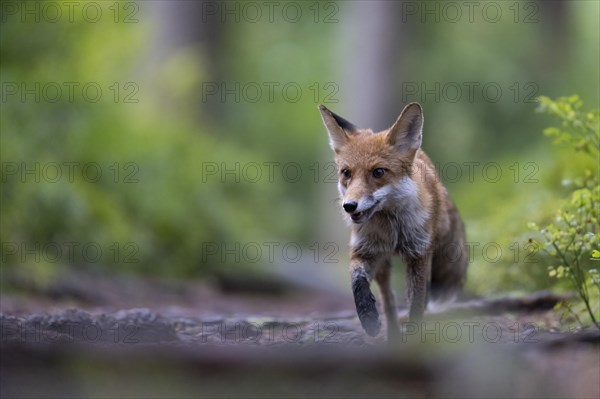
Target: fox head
{"x": 374, "y": 169}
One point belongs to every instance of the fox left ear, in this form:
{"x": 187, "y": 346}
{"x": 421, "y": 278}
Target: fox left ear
{"x": 406, "y": 133}
{"x": 337, "y": 127}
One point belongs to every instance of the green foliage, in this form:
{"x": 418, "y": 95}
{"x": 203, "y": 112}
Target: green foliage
{"x": 572, "y": 238}
{"x": 153, "y": 206}
{"x": 579, "y": 129}
{"x": 171, "y": 209}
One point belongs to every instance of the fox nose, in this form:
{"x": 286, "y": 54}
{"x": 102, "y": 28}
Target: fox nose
{"x": 350, "y": 206}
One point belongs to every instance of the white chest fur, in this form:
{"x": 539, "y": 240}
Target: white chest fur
{"x": 398, "y": 227}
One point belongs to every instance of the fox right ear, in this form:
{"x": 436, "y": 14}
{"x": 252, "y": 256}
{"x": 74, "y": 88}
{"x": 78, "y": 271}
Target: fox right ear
{"x": 337, "y": 127}
{"x": 406, "y": 133}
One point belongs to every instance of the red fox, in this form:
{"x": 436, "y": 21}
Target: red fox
{"x": 396, "y": 204}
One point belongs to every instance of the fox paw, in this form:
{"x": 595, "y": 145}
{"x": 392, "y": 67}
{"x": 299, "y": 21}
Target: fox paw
{"x": 369, "y": 318}
{"x": 365, "y": 303}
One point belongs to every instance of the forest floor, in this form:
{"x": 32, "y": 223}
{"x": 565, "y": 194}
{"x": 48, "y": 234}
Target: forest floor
{"x": 127, "y": 337}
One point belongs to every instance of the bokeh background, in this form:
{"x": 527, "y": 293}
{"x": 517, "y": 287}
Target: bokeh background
{"x": 182, "y": 139}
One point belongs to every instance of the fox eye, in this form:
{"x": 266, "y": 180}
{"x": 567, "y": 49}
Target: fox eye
{"x": 346, "y": 173}
{"x": 378, "y": 172}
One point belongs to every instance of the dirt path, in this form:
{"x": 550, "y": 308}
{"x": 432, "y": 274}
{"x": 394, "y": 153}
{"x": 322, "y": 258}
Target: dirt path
{"x": 228, "y": 347}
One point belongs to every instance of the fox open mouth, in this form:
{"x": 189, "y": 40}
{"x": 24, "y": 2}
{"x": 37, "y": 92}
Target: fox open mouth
{"x": 359, "y": 217}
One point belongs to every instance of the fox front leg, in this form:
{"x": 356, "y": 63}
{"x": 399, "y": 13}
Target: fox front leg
{"x": 363, "y": 297}
{"x": 383, "y": 278}
{"x": 418, "y": 272}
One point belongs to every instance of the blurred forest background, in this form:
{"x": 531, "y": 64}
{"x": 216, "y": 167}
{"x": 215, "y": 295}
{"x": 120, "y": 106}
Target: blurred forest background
{"x": 204, "y": 152}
